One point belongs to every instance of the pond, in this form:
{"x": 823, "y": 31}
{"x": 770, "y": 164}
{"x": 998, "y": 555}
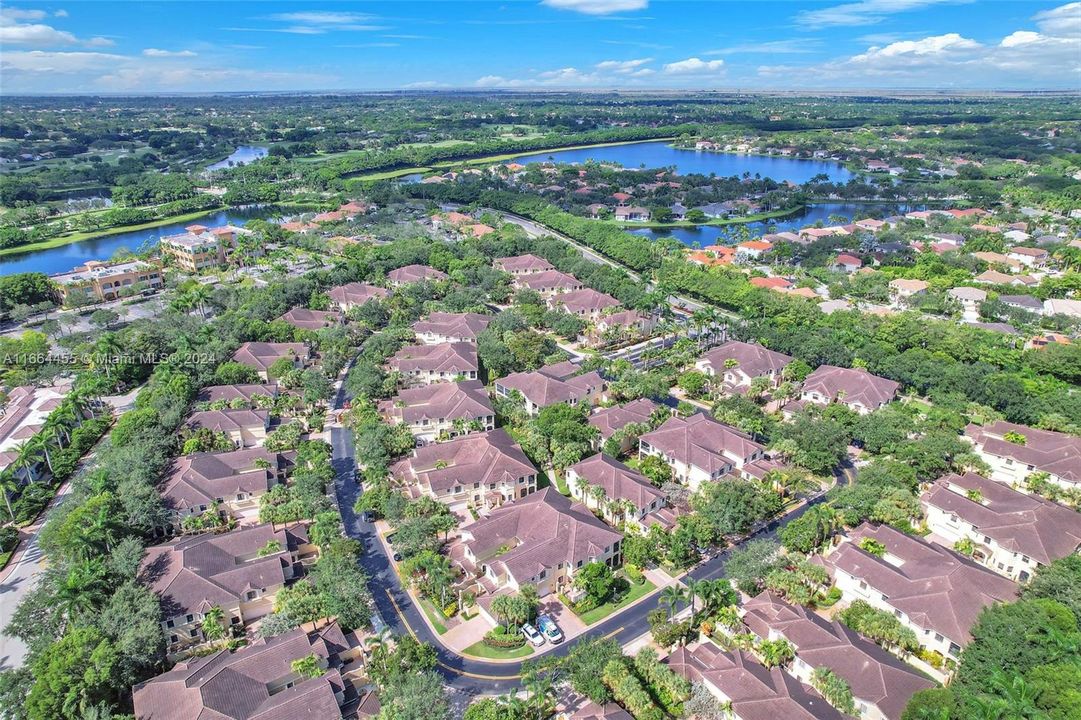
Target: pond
{"x": 241, "y": 156}
{"x": 66, "y": 257}
{"x": 705, "y": 235}
{"x": 659, "y": 154}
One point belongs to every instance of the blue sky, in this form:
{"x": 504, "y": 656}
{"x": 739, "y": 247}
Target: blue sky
{"x": 197, "y": 46}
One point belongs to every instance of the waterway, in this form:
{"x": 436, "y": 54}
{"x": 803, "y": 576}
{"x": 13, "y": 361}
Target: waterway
{"x": 660, "y": 154}
{"x": 704, "y": 235}
{"x": 64, "y": 258}
{"x": 241, "y": 156}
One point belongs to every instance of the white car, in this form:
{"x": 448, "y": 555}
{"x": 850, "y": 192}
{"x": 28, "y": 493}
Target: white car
{"x": 531, "y": 634}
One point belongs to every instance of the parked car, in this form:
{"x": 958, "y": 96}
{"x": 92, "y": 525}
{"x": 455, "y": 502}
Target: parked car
{"x": 390, "y": 539}
{"x": 397, "y": 556}
{"x": 551, "y": 631}
{"x": 531, "y": 634}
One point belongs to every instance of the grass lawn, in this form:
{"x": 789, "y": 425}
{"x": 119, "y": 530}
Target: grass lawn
{"x": 481, "y": 650}
{"x": 389, "y": 174}
{"x": 603, "y": 611}
{"x": 433, "y": 616}
{"x": 5, "y": 558}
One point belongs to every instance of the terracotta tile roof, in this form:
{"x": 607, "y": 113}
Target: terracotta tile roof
{"x": 261, "y": 355}
{"x": 415, "y": 273}
{"x": 618, "y": 480}
{"x": 228, "y": 420}
{"x": 356, "y": 293}
{"x": 457, "y": 357}
{"x": 552, "y": 384}
{"x": 463, "y": 326}
{"x": 488, "y": 457}
{"x": 202, "y": 478}
{"x": 771, "y": 282}
{"x": 702, "y": 442}
{"x": 751, "y": 358}
{"x": 856, "y": 384}
{"x": 615, "y": 418}
{"x": 523, "y": 263}
{"x": 936, "y": 588}
{"x": 585, "y": 300}
{"x": 1056, "y": 453}
{"x": 306, "y": 319}
{"x": 548, "y": 280}
{"x": 246, "y": 392}
{"x": 439, "y": 401}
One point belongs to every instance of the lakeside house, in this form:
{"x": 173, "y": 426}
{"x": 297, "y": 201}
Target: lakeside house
{"x": 699, "y": 449}
{"x": 935, "y": 592}
{"x": 541, "y": 540}
{"x": 854, "y": 387}
{"x": 881, "y": 684}
{"x": 199, "y": 247}
{"x": 552, "y": 384}
{"x": 240, "y": 571}
{"x": 426, "y": 364}
{"x": 346, "y": 297}
{"x": 1009, "y": 532}
{"x": 444, "y": 327}
{"x": 1014, "y": 452}
{"x": 441, "y": 410}
{"x": 483, "y": 469}
{"x": 100, "y": 282}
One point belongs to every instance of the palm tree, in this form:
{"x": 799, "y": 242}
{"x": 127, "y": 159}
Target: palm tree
{"x": 776, "y": 652}
{"x": 199, "y": 294}
{"x": 729, "y": 617}
{"x": 694, "y": 587}
{"x": 670, "y": 597}
{"x": 82, "y": 589}
{"x": 9, "y": 485}
{"x": 43, "y": 444}
{"x": 26, "y": 456}
{"x": 381, "y": 640}
{"x": 106, "y": 349}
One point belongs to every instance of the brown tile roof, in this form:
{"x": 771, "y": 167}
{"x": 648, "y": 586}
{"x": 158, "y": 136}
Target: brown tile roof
{"x": 1027, "y": 524}
{"x": 449, "y": 401}
{"x": 488, "y": 457}
{"x": 465, "y": 326}
{"x": 543, "y": 530}
{"x": 584, "y": 301}
{"x": 756, "y": 693}
{"x": 415, "y": 273}
{"x": 250, "y": 683}
{"x": 858, "y": 385}
{"x": 1053, "y": 452}
{"x": 261, "y": 355}
{"x": 194, "y": 574}
{"x": 458, "y": 357}
{"x": 356, "y": 293}
{"x": 552, "y": 384}
{"x": 702, "y": 442}
{"x": 246, "y": 392}
{"x": 228, "y": 420}
{"x": 523, "y": 263}
{"x": 615, "y": 418}
{"x": 548, "y": 280}
{"x": 202, "y": 478}
{"x": 751, "y": 358}
{"x": 935, "y": 587}
{"x": 874, "y": 675}
{"x": 618, "y": 480}
{"x": 306, "y": 319}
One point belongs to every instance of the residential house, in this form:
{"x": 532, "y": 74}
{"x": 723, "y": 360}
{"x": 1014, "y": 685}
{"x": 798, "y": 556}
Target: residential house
{"x": 523, "y": 265}
{"x": 624, "y": 324}
{"x": 752, "y": 249}
{"x": 256, "y": 682}
{"x": 262, "y": 355}
{"x": 1062, "y": 306}
{"x": 597, "y": 210}
{"x": 425, "y": 364}
{"x": 1016, "y": 236}
{"x": 679, "y": 211}
{"x": 200, "y": 247}
{"x": 855, "y": 387}
{"x": 1041, "y": 341}
{"x": 699, "y": 449}
{"x": 1014, "y": 452}
{"x": 881, "y": 684}
{"x": 228, "y": 483}
{"x": 620, "y": 494}
{"x": 1011, "y": 533}
{"x": 441, "y": 410}
{"x": 1029, "y": 256}
{"x": 346, "y": 297}
{"x": 99, "y": 282}
{"x": 737, "y": 363}
{"x": 244, "y": 395}
{"x": 246, "y": 428}
{"x": 240, "y": 571}
{"x": 22, "y": 416}
{"x": 444, "y": 327}
{"x": 903, "y": 288}
{"x": 548, "y": 282}
{"x": 552, "y": 384}
{"x": 994, "y": 258}
{"x": 771, "y": 283}
{"x": 631, "y": 213}
{"x": 587, "y": 303}
{"x": 751, "y": 690}
{"x": 610, "y": 420}
{"x": 994, "y": 277}
{"x": 933, "y": 591}
{"x": 413, "y": 274}
{"x": 970, "y": 299}
{"x": 305, "y": 319}
{"x": 871, "y": 225}
{"x": 541, "y": 539}
{"x": 846, "y": 263}
{"x": 480, "y": 469}
{"x": 1022, "y": 302}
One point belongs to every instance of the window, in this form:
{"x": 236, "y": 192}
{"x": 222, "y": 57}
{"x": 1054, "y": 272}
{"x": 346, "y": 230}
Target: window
{"x": 251, "y": 594}
{"x": 189, "y": 618}
{"x": 169, "y": 624}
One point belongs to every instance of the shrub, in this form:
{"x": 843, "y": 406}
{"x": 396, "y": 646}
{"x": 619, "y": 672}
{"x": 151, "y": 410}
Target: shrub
{"x": 635, "y": 575}
{"x": 501, "y": 637}
{"x": 9, "y": 537}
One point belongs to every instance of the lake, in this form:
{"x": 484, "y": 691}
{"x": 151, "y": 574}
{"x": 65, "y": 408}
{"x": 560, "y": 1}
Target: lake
{"x": 241, "y": 156}
{"x": 705, "y": 235}
{"x": 659, "y": 154}
{"x": 66, "y": 257}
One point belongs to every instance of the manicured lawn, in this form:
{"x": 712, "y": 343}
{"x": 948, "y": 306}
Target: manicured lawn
{"x": 433, "y": 616}
{"x": 389, "y": 174}
{"x": 5, "y": 558}
{"x": 481, "y": 650}
{"x": 603, "y": 611}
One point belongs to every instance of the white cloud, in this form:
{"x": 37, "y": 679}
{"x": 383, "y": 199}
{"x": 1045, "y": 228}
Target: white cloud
{"x": 425, "y": 85}
{"x": 795, "y": 46}
{"x": 323, "y": 18}
{"x": 14, "y": 31}
{"x": 60, "y": 13}
{"x": 693, "y": 66}
{"x": 597, "y": 7}
{"x": 863, "y": 12}
{"x": 156, "y": 53}
{"x": 1063, "y": 21}
{"x": 623, "y": 67}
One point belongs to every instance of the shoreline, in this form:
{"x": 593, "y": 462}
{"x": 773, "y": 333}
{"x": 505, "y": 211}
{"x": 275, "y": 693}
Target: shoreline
{"x": 717, "y": 222}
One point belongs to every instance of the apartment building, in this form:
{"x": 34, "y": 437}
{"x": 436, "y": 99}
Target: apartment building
{"x": 737, "y": 363}
{"x": 441, "y": 411}
{"x": 699, "y": 449}
{"x": 99, "y": 282}
{"x": 855, "y": 387}
{"x": 426, "y": 364}
{"x": 1015, "y": 452}
{"x": 619, "y": 494}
